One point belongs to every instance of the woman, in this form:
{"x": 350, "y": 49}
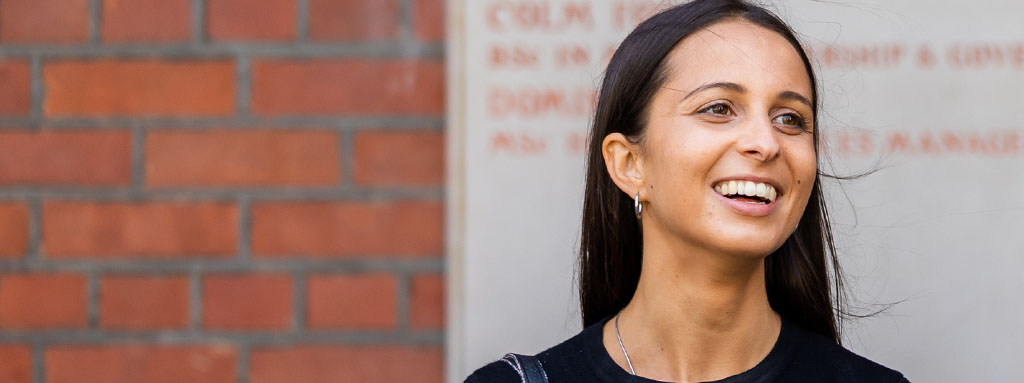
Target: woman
{"x": 706, "y": 250}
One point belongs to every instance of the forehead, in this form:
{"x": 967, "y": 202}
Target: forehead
{"x": 741, "y": 52}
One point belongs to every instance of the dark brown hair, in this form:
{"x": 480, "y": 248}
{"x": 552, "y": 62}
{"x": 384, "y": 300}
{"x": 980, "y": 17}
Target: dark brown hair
{"x": 803, "y": 277}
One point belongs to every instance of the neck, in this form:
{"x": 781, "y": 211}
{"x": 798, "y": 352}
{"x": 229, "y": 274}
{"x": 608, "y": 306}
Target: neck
{"x": 696, "y": 317}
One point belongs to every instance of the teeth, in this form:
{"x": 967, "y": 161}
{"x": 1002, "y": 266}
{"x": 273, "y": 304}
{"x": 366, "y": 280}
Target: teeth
{"x": 747, "y": 188}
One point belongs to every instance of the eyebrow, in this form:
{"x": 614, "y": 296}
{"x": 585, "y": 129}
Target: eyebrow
{"x": 726, "y": 85}
{"x": 785, "y": 95}
{"x": 790, "y": 95}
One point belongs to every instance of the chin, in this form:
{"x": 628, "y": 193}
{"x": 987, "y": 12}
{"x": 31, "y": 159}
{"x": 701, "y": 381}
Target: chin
{"x": 754, "y": 245}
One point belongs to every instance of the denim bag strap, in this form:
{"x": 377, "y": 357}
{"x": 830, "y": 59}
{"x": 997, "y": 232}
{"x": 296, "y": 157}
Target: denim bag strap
{"x": 529, "y": 368}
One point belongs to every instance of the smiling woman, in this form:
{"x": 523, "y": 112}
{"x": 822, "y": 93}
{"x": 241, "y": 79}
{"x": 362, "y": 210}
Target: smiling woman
{"x": 706, "y": 253}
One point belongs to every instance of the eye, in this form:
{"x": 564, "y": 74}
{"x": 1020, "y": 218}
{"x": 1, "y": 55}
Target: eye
{"x": 717, "y": 110}
{"x": 791, "y": 120}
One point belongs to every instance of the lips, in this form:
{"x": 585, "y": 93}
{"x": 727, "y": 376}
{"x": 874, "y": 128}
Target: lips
{"x": 749, "y": 195}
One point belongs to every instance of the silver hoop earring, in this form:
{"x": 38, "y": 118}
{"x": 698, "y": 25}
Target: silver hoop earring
{"x": 637, "y": 206}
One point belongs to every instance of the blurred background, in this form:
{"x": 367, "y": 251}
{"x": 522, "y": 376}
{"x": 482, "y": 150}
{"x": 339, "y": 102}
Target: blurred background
{"x": 927, "y": 95}
{"x": 221, "y": 190}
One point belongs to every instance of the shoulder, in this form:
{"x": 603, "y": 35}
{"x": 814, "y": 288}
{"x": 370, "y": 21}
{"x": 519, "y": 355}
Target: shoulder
{"x": 821, "y": 359}
{"x": 567, "y": 361}
{"x": 495, "y": 372}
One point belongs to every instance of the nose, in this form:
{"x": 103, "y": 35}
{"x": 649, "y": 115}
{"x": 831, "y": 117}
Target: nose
{"x": 758, "y": 140}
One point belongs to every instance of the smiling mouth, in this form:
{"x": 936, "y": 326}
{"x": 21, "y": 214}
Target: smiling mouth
{"x": 747, "y": 191}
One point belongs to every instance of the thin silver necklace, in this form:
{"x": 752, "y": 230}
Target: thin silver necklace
{"x": 619, "y": 337}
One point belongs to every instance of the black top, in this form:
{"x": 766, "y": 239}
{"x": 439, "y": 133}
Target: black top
{"x": 798, "y": 356}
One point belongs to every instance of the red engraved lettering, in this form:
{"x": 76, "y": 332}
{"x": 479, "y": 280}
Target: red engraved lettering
{"x": 517, "y": 143}
{"x": 500, "y": 102}
{"x": 928, "y": 144}
{"x": 626, "y": 14}
{"x": 854, "y": 143}
{"x": 862, "y": 55}
{"x": 538, "y": 16}
{"x": 572, "y": 56}
{"x": 502, "y": 142}
{"x": 865, "y": 144}
{"x": 550, "y": 100}
{"x": 998, "y": 143}
{"x": 925, "y": 57}
{"x": 953, "y": 55}
{"x": 495, "y": 16}
{"x": 576, "y": 143}
{"x": 894, "y": 55}
{"x": 1015, "y": 54}
{"x": 842, "y": 143}
{"x": 977, "y": 144}
{"x": 984, "y": 55}
{"x": 533, "y": 144}
{"x": 534, "y": 102}
{"x": 502, "y": 57}
{"x": 1011, "y": 143}
{"x": 898, "y": 142}
{"x": 951, "y": 142}
{"x": 579, "y": 14}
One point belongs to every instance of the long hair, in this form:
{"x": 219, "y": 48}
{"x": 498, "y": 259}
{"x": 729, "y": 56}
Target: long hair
{"x": 802, "y": 277}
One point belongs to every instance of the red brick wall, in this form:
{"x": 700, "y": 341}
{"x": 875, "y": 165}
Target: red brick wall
{"x": 221, "y": 190}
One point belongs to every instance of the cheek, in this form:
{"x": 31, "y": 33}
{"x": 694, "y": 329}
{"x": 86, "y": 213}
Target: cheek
{"x": 681, "y": 162}
{"x": 677, "y": 179}
{"x": 804, "y": 167}
{"x": 799, "y": 155}
{"x": 806, "y": 164}
{"x": 691, "y": 145}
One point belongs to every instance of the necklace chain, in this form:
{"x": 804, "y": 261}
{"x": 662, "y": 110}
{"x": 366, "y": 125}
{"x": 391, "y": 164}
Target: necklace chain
{"x": 619, "y": 338}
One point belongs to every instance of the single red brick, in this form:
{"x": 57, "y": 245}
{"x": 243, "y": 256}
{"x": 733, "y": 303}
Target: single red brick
{"x": 147, "y": 20}
{"x": 143, "y": 302}
{"x": 78, "y": 157}
{"x": 133, "y": 363}
{"x": 352, "y": 301}
{"x": 428, "y": 19}
{"x": 139, "y": 228}
{"x": 379, "y": 364}
{"x": 247, "y": 302}
{"x": 14, "y": 235}
{"x": 33, "y": 21}
{"x": 139, "y": 87}
{"x": 426, "y": 307}
{"x": 380, "y": 227}
{"x": 251, "y": 20}
{"x": 17, "y": 363}
{"x": 349, "y": 86}
{"x": 233, "y": 158}
{"x": 353, "y": 20}
{"x": 398, "y": 158}
{"x": 33, "y": 301}
{"x": 16, "y": 94}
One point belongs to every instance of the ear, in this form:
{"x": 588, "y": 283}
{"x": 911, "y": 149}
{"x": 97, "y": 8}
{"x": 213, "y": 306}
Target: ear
{"x": 622, "y": 159}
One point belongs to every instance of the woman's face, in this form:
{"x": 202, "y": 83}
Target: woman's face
{"x": 727, "y": 157}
